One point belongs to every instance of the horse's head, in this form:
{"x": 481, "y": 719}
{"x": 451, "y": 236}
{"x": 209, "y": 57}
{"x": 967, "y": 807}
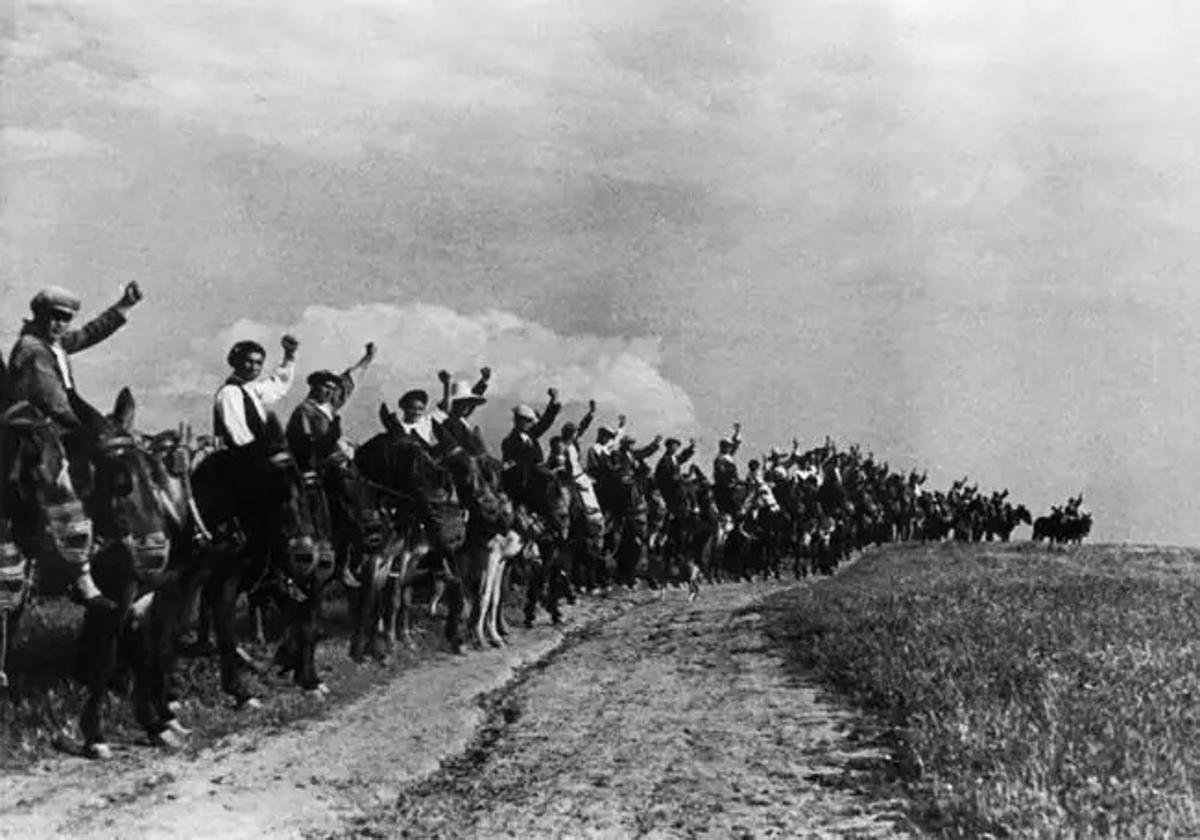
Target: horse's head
{"x": 421, "y": 488}
{"x": 302, "y": 509}
{"x": 272, "y": 497}
{"x": 480, "y": 489}
{"x": 135, "y": 500}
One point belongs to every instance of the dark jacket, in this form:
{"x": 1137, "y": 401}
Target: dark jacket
{"x": 310, "y": 430}
{"x": 34, "y": 374}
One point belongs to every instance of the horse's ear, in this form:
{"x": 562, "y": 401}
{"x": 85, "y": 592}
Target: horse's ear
{"x": 123, "y": 411}
{"x": 388, "y": 419}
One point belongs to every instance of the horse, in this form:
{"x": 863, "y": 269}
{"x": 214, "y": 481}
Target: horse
{"x": 478, "y": 570}
{"x": 547, "y": 513}
{"x": 264, "y": 523}
{"x": 126, "y": 535}
{"x": 422, "y": 501}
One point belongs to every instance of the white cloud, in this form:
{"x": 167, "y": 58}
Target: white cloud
{"x": 416, "y": 340}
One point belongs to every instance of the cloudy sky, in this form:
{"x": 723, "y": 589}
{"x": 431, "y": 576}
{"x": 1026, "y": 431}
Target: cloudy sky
{"x": 962, "y": 234}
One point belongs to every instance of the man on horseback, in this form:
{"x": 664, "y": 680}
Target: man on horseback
{"x": 315, "y": 425}
{"x": 575, "y": 470}
{"x": 314, "y": 432}
{"x": 668, "y": 475}
{"x": 40, "y": 374}
{"x": 725, "y": 471}
{"x": 240, "y": 406}
{"x": 601, "y": 455}
{"x": 458, "y": 404}
{"x": 521, "y": 450}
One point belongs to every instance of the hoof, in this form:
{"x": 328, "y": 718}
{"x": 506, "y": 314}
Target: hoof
{"x": 249, "y": 704}
{"x": 166, "y": 740}
{"x": 173, "y": 725}
{"x": 98, "y": 752}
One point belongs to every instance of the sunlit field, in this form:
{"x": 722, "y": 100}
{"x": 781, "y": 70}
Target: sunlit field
{"x": 1036, "y": 693}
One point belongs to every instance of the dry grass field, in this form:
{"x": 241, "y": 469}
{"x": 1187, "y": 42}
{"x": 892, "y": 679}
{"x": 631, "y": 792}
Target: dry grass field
{"x": 1031, "y": 692}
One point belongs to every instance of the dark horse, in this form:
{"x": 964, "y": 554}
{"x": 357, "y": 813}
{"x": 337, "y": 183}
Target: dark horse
{"x": 420, "y": 497}
{"x": 129, "y": 534}
{"x": 264, "y": 523}
{"x": 549, "y": 515}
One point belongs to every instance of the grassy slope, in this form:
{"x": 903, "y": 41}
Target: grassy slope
{"x": 1036, "y": 693}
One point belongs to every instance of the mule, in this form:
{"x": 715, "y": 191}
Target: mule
{"x": 270, "y": 527}
{"x": 125, "y": 535}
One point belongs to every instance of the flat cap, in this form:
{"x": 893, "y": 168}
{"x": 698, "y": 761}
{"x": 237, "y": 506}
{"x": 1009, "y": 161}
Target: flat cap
{"x": 416, "y": 395}
{"x": 323, "y": 377}
{"x": 55, "y": 297}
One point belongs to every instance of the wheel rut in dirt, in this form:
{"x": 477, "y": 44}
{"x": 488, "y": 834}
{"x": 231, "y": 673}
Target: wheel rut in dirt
{"x": 671, "y": 720}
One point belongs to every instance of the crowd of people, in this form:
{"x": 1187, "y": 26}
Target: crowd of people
{"x": 584, "y": 516}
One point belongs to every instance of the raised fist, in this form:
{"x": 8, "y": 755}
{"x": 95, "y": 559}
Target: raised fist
{"x": 290, "y": 345}
{"x": 485, "y": 373}
{"x": 591, "y": 406}
{"x": 621, "y": 420}
{"x": 443, "y": 376}
{"x": 658, "y": 439}
{"x": 553, "y": 392}
{"x": 692, "y": 443}
{"x": 131, "y": 295}
{"x": 370, "y": 350}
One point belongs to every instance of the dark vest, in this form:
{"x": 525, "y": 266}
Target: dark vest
{"x": 254, "y": 421}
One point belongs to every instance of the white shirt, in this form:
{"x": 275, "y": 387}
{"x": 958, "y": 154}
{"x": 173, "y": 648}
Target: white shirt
{"x": 60, "y": 355}
{"x": 423, "y": 429}
{"x": 263, "y": 392}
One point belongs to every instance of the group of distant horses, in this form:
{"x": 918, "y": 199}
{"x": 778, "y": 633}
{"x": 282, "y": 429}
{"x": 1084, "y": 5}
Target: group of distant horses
{"x": 174, "y": 537}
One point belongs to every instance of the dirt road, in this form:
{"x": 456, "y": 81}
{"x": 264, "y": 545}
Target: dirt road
{"x": 645, "y": 719}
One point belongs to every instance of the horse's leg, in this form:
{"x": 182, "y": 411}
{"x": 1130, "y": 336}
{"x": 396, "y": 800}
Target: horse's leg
{"x": 166, "y": 614}
{"x": 492, "y": 597}
{"x": 9, "y": 621}
{"x": 95, "y": 667}
{"x": 307, "y": 620}
{"x": 222, "y": 595}
{"x": 379, "y": 646}
{"x": 504, "y": 586}
{"x": 555, "y": 578}
{"x": 455, "y": 602}
{"x": 481, "y": 564}
{"x": 203, "y": 606}
{"x": 362, "y": 614}
{"x": 439, "y": 592}
{"x": 496, "y": 600}
{"x": 258, "y": 610}
{"x": 146, "y": 642}
{"x": 534, "y": 591}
